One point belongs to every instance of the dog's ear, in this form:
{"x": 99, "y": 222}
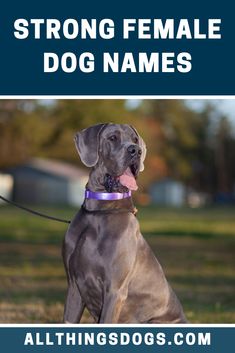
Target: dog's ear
{"x": 143, "y": 148}
{"x": 87, "y": 144}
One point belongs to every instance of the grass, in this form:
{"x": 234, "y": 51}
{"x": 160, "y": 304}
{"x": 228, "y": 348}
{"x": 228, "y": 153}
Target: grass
{"x": 195, "y": 247}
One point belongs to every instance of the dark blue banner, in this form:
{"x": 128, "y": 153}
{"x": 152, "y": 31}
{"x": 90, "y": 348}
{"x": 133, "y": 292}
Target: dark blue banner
{"x": 122, "y": 48}
{"x": 112, "y": 339}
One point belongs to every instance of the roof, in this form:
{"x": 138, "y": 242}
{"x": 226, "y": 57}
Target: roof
{"x": 57, "y": 168}
{"x": 167, "y": 180}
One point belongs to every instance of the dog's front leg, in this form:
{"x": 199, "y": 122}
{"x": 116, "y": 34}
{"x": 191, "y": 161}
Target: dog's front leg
{"x": 121, "y": 263}
{"x": 113, "y": 302}
{"x": 74, "y": 305}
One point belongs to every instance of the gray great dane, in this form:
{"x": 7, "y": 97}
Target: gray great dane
{"x": 110, "y": 268}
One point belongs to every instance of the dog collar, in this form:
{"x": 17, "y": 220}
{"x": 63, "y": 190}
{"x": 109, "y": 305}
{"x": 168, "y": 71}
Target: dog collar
{"x": 107, "y": 196}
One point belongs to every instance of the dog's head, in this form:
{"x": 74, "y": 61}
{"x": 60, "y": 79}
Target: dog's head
{"x": 117, "y": 148}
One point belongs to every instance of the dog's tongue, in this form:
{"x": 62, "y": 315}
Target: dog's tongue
{"x": 127, "y": 179}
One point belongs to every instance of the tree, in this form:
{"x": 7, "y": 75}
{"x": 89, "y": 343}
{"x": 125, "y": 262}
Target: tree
{"x": 173, "y": 130}
{"x": 224, "y": 156}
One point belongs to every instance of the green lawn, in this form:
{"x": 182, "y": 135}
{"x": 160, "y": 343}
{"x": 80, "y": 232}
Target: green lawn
{"x": 195, "y": 247}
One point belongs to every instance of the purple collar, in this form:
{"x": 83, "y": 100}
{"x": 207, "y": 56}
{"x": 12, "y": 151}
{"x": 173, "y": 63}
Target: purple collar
{"x": 108, "y": 196}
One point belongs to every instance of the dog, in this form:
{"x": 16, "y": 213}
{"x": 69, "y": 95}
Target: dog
{"x": 110, "y": 268}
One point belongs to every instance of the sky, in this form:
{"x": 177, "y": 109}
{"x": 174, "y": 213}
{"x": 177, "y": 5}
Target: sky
{"x": 224, "y": 106}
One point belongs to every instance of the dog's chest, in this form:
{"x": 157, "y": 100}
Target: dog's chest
{"x": 89, "y": 264}
{"x": 99, "y": 246}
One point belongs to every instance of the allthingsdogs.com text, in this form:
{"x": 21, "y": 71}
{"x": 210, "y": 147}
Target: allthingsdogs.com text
{"x": 117, "y": 338}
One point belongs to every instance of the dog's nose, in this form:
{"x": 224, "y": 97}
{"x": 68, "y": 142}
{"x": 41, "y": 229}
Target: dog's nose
{"x": 134, "y": 150}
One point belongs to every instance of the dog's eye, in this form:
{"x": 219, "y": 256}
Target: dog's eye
{"x": 113, "y": 138}
{"x": 136, "y": 140}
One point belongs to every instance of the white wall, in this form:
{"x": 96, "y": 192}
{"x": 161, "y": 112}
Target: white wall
{"x": 76, "y": 192}
{"x": 6, "y": 186}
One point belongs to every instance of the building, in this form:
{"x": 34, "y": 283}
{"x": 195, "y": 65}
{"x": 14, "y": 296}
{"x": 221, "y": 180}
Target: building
{"x": 168, "y": 192}
{"x": 45, "y": 181}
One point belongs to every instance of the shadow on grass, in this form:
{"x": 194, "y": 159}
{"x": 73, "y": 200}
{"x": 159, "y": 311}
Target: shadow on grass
{"x": 32, "y": 236}
{"x": 48, "y": 296}
{"x": 183, "y": 233}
